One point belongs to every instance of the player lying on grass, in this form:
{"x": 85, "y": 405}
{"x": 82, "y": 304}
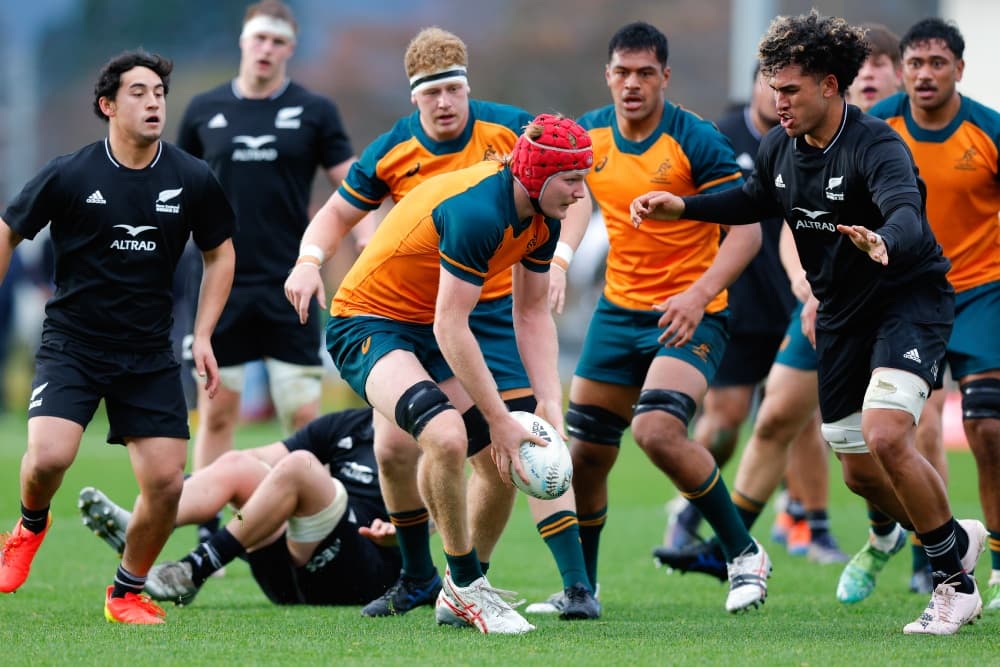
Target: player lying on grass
{"x": 310, "y": 518}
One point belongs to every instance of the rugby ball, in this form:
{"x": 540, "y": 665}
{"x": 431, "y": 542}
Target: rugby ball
{"x": 549, "y": 469}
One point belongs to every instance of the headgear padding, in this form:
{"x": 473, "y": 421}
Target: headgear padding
{"x": 562, "y": 145}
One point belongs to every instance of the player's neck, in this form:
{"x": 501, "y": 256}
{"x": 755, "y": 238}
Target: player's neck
{"x": 938, "y": 118}
{"x": 639, "y": 130}
{"x": 825, "y": 132}
{"x": 134, "y": 153}
{"x": 255, "y": 88}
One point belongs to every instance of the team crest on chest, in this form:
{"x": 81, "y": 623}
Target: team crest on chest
{"x": 288, "y": 118}
{"x": 662, "y": 173}
{"x": 835, "y": 188}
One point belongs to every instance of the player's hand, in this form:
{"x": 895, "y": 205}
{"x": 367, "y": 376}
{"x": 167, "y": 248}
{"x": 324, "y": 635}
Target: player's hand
{"x": 506, "y": 436}
{"x": 205, "y": 364}
{"x": 557, "y": 288}
{"x": 382, "y": 533}
{"x": 801, "y": 287}
{"x": 867, "y": 241}
{"x": 682, "y": 314}
{"x": 551, "y": 411}
{"x": 305, "y": 281}
{"x": 808, "y": 319}
{"x": 656, "y": 205}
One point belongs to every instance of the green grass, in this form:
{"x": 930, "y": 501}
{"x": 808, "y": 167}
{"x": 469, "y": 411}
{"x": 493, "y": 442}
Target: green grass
{"x": 650, "y": 617}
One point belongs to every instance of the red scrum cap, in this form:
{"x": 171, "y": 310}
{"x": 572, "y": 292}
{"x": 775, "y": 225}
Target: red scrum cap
{"x": 549, "y": 145}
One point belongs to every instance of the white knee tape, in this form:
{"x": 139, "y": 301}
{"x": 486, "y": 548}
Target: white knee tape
{"x": 844, "y": 435}
{"x": 314, "y": 528}
{"x": 893, "y": 389}
{"x": 292, "y": 387}
{"x": 231, "y": 377}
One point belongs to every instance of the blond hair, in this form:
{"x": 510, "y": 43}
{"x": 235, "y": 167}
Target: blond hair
{"x": 273, "y": 8}
{"x": 434, "y": 50}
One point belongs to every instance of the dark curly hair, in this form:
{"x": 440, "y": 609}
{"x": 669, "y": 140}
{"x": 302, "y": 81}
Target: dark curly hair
{"x": 820, "y": 45}
{"x": 110, "y": 78}
{"x": 934, "y": 28}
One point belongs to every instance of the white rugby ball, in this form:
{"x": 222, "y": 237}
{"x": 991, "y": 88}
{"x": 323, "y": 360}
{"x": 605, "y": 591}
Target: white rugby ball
{"x": 549, "y": 469}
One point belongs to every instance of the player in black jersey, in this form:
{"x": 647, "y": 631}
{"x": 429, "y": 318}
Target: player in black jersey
{"x": 121, "y": 211}
{"x": 264, "y": 136}
{"x": 311, "y": 518}
{"x": 845, "y": 182}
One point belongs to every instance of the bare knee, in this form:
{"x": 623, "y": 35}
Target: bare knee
{"x": 47, "y": 459}
{"x": 661, "y": 436}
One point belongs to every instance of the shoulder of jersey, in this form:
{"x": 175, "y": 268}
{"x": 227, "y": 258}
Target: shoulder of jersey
{"x": 984, "y": 117}
{"x": 889, "y": 107}
{"x": 400, "y": 131}
{"x": 597, "y": 118}
{"x": 502, "y": 114}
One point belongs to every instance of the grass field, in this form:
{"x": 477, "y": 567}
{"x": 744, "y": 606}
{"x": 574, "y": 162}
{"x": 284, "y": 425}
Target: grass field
{"x": 650, "y": 617}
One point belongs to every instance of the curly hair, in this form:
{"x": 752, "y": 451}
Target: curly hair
{"x": 433, "y": 50}
{"x": 110, "y": 78}
{"x": 819, "y": 45}
{"x": 934, "y": 28}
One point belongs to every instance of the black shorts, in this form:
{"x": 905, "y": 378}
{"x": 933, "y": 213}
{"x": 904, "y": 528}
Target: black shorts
{"x": 345, "y": 569}
{"x": 911, "y": 335}
{"x": 258, "y": 322}
{"x": 141, "y": 390}
{"x": 747, "y": 360}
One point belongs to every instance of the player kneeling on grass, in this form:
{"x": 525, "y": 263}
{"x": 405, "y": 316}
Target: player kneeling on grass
{"x": 305, "y": 505}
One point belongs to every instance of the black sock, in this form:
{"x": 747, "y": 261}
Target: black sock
{"x": 212, "y": 555}
{"x": 819, "y": 524}
{"x": 34, "y": 520}
{"x": 945, "y": 554}
{"x": 209, "y": 528}
{"x": 126, "y": 582}
{"x": 795, "y": 510}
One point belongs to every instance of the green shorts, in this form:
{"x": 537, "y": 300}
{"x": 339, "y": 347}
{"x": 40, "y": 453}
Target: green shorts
{"x": 622, "y": 343}
{"x": 356, "y": 343}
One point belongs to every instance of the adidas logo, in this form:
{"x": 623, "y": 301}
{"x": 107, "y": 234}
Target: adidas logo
{"x": 217, "y": 121}
{"x": 96, "y": 198}
{"x": 913, "y": 356}
{"x": 779, "y": 182}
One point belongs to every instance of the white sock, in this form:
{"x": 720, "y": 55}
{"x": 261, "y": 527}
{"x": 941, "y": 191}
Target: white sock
{"x": 885, "y": 543}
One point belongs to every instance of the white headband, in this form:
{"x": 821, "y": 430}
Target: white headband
{"x": 269, "y": 24}
{"x": 451, "y": 74}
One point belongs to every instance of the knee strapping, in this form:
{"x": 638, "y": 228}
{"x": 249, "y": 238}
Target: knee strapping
{"x": 477, "y": 429}
{"x": 317, "y": 526}
{"x": 844, "y": 435}
{"x": 293, "y": 386}
{"x": 981, "y": 399}
{"x": 590, "y": 423}
{"x": 672, "y": 402}
{"x": 418, "y": 405}
{"x": 893, "y": 389}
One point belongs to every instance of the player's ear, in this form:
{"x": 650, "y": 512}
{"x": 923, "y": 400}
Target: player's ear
{"x": 107, "y": 105}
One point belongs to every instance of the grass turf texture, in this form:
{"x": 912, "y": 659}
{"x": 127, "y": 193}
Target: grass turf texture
{"x": 650, "y": 617}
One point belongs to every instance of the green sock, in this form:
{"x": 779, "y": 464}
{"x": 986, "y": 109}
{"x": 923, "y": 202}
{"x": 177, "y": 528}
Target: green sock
{"x": 561, "y": 532}
{"x": 994, "y": 547}
{"x": 712, "y": 500}
{"x": 591, "y": 526}
{"x": 748, "y": 508}
{"x": 413, "y": 536}
{"x": 464, "y": 568}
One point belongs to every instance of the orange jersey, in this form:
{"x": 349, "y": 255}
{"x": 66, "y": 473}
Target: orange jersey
{"x": 463, "y": 221}
{"x": 959, "y": 164}
{"x": 685, "y": 155}
{"x": 405, "y": 157}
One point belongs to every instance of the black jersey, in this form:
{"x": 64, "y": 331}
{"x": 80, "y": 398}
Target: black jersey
{"x": 117, "y": 235}
{"x": 862, "y": 177}
{"x": 265, "y": 153}
{"x": 344, "y": 441}
{"x": 761, "y": 299}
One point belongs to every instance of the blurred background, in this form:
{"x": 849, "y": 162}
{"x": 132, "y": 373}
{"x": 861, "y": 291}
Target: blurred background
{"x": 543, "y": 56}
